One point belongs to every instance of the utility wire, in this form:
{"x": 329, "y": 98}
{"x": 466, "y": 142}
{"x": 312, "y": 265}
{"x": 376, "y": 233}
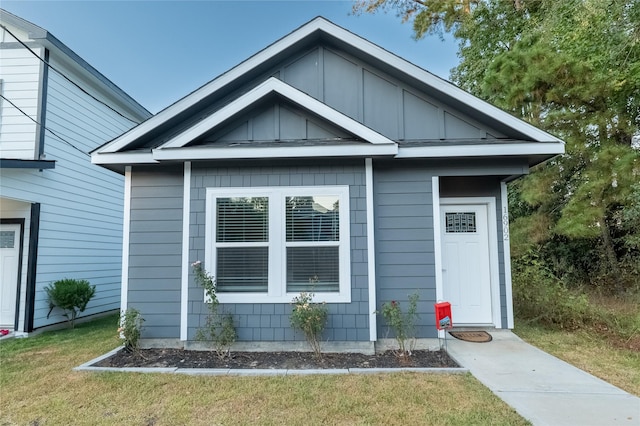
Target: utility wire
{"x": 43, "y": 126}
{"x": 67, "y": 78}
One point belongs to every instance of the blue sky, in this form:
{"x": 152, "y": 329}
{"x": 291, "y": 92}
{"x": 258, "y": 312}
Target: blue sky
{"x": 159, "y": 51}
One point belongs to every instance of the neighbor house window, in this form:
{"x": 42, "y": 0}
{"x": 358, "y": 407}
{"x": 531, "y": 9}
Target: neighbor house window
{"x": 269, "y": 244}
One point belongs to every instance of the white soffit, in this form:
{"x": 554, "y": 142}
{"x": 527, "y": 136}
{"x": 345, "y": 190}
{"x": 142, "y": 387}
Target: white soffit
{"x": 321, "y": 24}
{"x": 122, "y": 158}
{"x": 273, "y": 85}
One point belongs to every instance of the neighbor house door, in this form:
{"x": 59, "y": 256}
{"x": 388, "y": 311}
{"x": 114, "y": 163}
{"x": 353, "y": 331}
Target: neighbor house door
{"x": 9, "y": 262}
{"x": 466, "y": 269}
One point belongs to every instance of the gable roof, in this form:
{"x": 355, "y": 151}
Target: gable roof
{"x": 318, "y": 29}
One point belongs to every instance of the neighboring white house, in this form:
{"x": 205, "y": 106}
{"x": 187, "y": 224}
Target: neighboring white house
{"x": 60, "y": 216}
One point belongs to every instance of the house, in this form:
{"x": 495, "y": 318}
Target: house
{"x": 60, "y": 216}
{"x": 322, "y": 163}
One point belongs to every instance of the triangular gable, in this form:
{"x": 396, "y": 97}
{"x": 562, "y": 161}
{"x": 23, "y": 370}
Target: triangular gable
{"x": 269, "y": 87}
{"x": 313, "y": 30}
{"x": 176, "y": 148}
{"x": 277, "y": 121}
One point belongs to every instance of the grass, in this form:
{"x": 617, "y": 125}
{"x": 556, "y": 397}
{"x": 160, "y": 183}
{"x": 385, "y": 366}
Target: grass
{"x": 608, "y": 348}
{"x": 39, "y": 387}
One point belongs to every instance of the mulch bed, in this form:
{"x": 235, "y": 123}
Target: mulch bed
{"x": 275, "y": 360}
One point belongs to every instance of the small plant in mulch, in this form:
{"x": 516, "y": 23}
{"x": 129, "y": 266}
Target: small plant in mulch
{"x": 130, "y": 329}
{"x": 402, "y": 324}
{"x": 219, "y": 327}
{"x": 72, "y": 296}
{"x": 310, "y": 318}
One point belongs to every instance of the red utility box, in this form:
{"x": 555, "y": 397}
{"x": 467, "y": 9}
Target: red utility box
{"x": 443, "y": 315}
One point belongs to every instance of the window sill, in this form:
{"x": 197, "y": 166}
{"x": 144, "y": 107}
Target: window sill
{"x": 286, "y": 298}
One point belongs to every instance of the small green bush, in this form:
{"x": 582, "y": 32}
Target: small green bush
{"x": 539, "y": 297}
{"x": 70, "y": 295}
{"x": 130, "y": 329}
{"x": 219, "y": 327}
{"x": 310, "y": 318}
{"x": 402, "y": 324}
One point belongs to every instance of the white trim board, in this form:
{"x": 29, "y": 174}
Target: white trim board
{"x": 123, "y": 158}
{"x": 506, "y": 248}
{"x": 481, "y": 150}
{"x": 371, "y": 253}
{"x": 184, "y": 290}
{"x": 126, "y": 226}
{"x": 209, "y": 152}
{"x": 437, "y": 242}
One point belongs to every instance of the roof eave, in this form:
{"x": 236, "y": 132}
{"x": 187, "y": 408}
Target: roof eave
{"x": 257, "y": 152}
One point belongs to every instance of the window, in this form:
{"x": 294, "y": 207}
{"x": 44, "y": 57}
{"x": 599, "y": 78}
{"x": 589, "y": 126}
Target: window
{"x": 242, "y": 244}
{"x": 266, "y": 245}
{"x": 7, "y": 239}
{"x": 460, "y": 222}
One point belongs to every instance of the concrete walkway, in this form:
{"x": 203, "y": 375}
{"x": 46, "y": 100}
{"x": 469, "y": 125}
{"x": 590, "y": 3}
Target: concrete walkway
{"x": 542, "y": 388}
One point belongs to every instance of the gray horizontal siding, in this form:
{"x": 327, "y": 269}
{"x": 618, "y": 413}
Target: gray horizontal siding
{"x": 270, "y": 322}
{"x": 155, "y": 246}
{"x": 405, "y": 260}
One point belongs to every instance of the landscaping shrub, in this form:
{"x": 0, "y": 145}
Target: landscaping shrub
{"x": 540, "y": 297}
{"x": 70, "y": 295}
{"x": 403, "y": 324}
{"x": 310, "y": 318}
{"x": 130, "y": 329}
{"x": 219, "y": 327}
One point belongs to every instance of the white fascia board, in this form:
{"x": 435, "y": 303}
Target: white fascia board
{"x": 483, "y": 150}
{"x": 208, "y": 153}
{"x": 123, "y": 158}
{"x": 273, "y": 85}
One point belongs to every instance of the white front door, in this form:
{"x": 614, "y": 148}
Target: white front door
{"x": 466, "y": 268}
{"x": 9, "y": 261}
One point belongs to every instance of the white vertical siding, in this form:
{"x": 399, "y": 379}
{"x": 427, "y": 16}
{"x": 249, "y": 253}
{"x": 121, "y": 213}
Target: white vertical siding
{"x": 19, "y": 75}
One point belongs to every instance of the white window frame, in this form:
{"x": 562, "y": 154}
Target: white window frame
{"x": 277, "y": 277}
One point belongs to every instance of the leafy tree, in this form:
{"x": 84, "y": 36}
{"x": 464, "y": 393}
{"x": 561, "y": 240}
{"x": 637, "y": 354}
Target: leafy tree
{"x": 571, "y": 67}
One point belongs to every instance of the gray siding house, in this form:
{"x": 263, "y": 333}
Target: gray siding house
{"x": 323, "y": 163}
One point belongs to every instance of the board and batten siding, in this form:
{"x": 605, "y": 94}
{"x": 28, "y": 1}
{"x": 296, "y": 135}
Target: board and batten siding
{"x": 270, "y": 322}
{"x": 81, "y": 204}
{"x": 405, "y": 259}
{"x": 19, "y": 82}
{"x": 155, "y": 247}
{"x": 369, "y": 95}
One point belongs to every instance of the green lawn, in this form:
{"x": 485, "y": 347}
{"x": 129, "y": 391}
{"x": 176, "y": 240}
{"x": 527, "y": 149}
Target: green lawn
{"x": 607, "y": 346}
{"x": 38, "y": 386}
